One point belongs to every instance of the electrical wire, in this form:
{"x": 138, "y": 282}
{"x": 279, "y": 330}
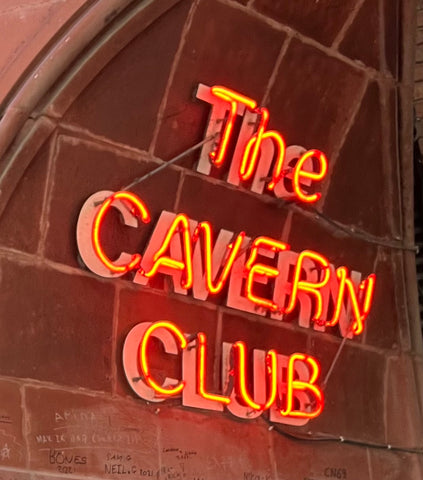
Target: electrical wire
{"x": 341, "y": 439}
{"x": 325, "y": 220}
{"x": 348, "y": 231}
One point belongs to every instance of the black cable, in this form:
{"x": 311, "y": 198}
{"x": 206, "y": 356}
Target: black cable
{"x": 341, "y": 439}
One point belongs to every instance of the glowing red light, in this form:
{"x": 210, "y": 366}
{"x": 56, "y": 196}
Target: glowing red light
{"x": 201, "y": 372}
{"x": 145, "y": 369}
{"x": 207, "y": 257}
{"x": 312, "y": 288}
{"x": 139, "y": 209}
{"x": 179, "y": 225}
{"x": 241, "y": 377}
{"x": 366, "y": 288}
{"x": 217, "y": 157}
{"x": 300, "y": 173}
{"x": 262, "y": 270}
{"x": 309, "y": 386}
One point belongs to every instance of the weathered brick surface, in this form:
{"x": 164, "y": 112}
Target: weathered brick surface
{"x": 63, "y": 331}
{"x": 11, "y": 475}
{"x": 12, "y": 441}
{"x": 313, "y": 97}
{"x": 71, "y": 433}
{"x": 319, "y": 20}
{"x": 122, "y": 102}
{"x": 20, "y": 222}
{"x": 263, "y": 336}
{"x": 300, "y": 459}
{"x": 233, "y": 450}
{"x": 382, "y": 325}
{"x": 354, "y": 392}
{"x": 341, "y": 249}
{"x": 394, "y": 465}
{"x": 233, "y": 210}
{"x": 358, "y": 184}
{"x": 218, "y": 50}
{"x": 392, "y": 34}
{"x": 137, "y": 306}
{"x": 98, "y": 168}
{"x": 56, "y": 327}
{"x": 365, "y": 48}
{"x": 401, "y": 386}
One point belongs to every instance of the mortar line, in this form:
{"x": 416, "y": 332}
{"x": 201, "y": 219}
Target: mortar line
{"x": 342, "y": 138}
{"x": 347, "y": 24}
{"x": 178, "y": 55}
{"x": 385, "y": 400}
{"x": 272, "y": 79}
{"x": 329, "y": 51}
{"x": 179, "y": 190}
{"x": 115, "y": 323}
{"x": 48, "y": 189}
{"x": 386, "y": 138}
{"x": 369, "y": 464}
{"x": 381, "y": 40}
{"x": 25, "y": 425}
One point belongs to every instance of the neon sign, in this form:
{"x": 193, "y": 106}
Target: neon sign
{"x": 181, "y": 248}
{"x": 305, "y": 283}
{"x": 256, "y": 149}
{"x": 283, "y": 386}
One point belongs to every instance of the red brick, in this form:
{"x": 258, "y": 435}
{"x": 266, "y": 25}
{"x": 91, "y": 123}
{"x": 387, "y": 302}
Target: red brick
{"x": 12, "y": 442}
{"x": 138, "y": 306}
{"x": 365, "y": 48}
{"x": 61, "y": 328}
{"x": 20, "y": 222}
{"x": 229, "y": 208}
{"x": 319, "y": 460}
{"x": 394, "y": 465}
{"x": 357, "y": 194}
{"x": 224, "y": 46}
{"x": 122, "y": 101}
{"x": 392, "y": 17}
{"x": 354, "y": 395}
{"x": 10, "y": 475}
{"x": 95, "y": 168}
{"x": 389, "y": 124}
{"x": 403, "y": 422}
{"x": 221, "y": 448}
{"x": 382, "y": 324}
{"x": 93, "y": 428}
{"x": 313, "y": 97}
{"x": 263, "y": 336}
{"x": 339, "y": 248}
{"x": 320, "y": 20}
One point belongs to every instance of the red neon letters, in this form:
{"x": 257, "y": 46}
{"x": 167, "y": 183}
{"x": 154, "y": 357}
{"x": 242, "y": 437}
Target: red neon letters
{"x": 241, "y": 377}
{"x": 309, "y": 386}
{"x": 279, "y": 395}
{"x": 233, "y": 98}
{"x": 262, "y": 270}
{"x": 252, "y": 148}
{"x": 366, "y": 288}
{"x": 145, "y": 369}
{"x": 201, "y": 374}
{"x": 312, "y": 276}
{"x": 207, "y": 257}
{"x": 137, "y": 209}
{"x": 312, "y": 288}
{"x": 180, "y": 224}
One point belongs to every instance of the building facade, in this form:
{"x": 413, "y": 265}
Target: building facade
{"x": 282, "y": 129}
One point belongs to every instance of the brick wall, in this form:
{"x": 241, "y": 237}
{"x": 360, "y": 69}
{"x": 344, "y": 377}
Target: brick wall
{"x": 330, "y": 75}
